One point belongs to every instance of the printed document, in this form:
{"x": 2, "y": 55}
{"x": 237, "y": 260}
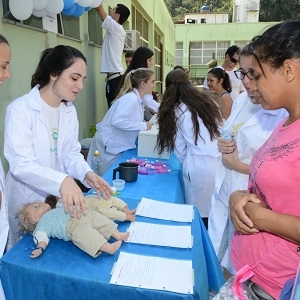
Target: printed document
{"x": 165, "y": 211}
{"x": 150, "y": 272}
{"x": 160, "y": 235}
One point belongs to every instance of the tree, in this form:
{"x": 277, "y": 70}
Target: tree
{"x": 270, "y": 10}
{"x": 279, "y": 10}
{"x": 172, "y": 5}
{"x": 178, "y": 8}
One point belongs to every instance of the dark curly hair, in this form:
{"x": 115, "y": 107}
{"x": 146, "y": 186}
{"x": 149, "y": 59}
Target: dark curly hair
{"x": 277, "y": 44}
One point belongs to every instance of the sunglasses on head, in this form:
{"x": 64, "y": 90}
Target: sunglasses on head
{"x": 234, "y": 60}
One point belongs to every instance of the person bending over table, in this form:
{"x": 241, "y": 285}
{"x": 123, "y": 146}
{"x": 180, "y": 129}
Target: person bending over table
{"x": 89, "y": 233}
{"x": 267, "y": 216}
{"x": 143, "y": 57}
{"x": 120, "y": 126}
{"x": 41, "y": 138}
{"x": 189, "y": 122}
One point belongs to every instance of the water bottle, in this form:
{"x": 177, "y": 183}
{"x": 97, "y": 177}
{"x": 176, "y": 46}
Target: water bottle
{"x": 97, "y": 165}
{"x": 226, "y": 134}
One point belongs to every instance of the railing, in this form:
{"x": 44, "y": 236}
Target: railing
{"x": 198, "y": 71}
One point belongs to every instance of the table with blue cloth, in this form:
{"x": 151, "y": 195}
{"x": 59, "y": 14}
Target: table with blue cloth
{"x": 66, "y": 272}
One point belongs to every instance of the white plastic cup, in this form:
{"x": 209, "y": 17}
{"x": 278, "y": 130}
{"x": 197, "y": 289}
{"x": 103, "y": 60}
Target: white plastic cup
{"x": 119, "y": 184}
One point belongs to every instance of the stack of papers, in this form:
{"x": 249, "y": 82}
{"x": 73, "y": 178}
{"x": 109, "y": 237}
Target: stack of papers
{"x": 149, "y": 272}
{"x": 160, "y": 235}
{"x": 165, "y": 211}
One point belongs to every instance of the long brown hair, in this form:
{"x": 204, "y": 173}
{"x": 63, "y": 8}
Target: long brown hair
{"x": 179, "y": 90}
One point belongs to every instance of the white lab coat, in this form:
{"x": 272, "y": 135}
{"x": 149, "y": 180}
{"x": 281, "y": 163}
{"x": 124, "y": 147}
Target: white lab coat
{"x": 199, "y": 161}
{"x": 249, "y": 138}
{"x": 119, "y": 129}
{"x": 27, "y": 149}
{"x": 150, "y": 102}
{"x": 3, "y": 222}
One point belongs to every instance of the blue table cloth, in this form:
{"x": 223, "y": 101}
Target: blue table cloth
{"x": 165, "y": 187}
{"x": 66, "y": 272}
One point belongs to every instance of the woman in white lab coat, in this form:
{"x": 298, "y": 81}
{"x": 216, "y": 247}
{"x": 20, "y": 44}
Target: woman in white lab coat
{"x": 119, "y": 129}
{"x": 189, "y": 122}
{"x": 143, "y": 57}
{"x": 250, "y": 126}
{"x": 5, "y": 55}
{"x": 41, "y": 138}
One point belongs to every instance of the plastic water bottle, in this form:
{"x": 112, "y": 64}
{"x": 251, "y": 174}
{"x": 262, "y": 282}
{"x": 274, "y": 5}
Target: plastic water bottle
{"x": 97, "y": 165}
{"x": 226, "y": 134}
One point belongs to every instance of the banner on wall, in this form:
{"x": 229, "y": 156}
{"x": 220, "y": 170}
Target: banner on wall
{"x": 50, "y": 23}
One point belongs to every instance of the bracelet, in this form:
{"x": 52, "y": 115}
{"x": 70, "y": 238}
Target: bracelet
{"x": 40, "y": 248}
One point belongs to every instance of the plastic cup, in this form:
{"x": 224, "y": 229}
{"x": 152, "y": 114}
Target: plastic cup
{"x": 119, "y": 184}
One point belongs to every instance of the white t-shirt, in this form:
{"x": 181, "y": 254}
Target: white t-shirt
{"x": 249, "y": 110}
{"x": 52, "y": 121}
{"x": 112, "y": 47}
{"x": 236, "y": 84}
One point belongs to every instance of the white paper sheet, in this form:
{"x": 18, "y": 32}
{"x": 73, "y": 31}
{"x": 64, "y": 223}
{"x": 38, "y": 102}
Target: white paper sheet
{"x": 160, "y": 235}
{"x": 151, "y": 272}
{"x": 165, "y": 211}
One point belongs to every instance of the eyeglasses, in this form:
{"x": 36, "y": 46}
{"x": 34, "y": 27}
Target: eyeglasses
{"x": 234, "y": 60}
{"x": 240, "y": 74}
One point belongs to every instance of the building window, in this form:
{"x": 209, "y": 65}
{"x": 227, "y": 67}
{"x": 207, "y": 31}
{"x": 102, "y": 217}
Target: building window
{"x": 241, "y": 44}
{"x": 141, "y": 24}
{"x": 68, "y": 26}
{"x": 95, "y": 27}
{"x": 179, "y": 53}
{"x": 202, "y": 53}
{"x": 158, "y": 60}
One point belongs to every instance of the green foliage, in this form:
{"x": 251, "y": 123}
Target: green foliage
{"x": 270, "y": 10}
{"x": 279, "y": 10}
{"x": 178, "y": 8}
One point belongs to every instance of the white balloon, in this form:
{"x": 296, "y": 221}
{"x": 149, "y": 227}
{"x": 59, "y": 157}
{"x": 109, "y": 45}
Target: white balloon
{"x": 39, "y": 4}
{"x": 96, "y": 3}
{"x": 85, "y": 3}
{"x": 39, "y": 13}
{"x": 55, "y": 7}
{"x": 21, "y": 9}
{"x": 75, "y": 1}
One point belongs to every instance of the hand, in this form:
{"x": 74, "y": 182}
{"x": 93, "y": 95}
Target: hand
{"x": 231, "y": 160}
{"x": 149, "y": 125}
{"x": 99, "y": 184}
{"x": 239, "y": 218}
{"x": 36, "y": 253}
{"x": 254, "y": 211}
{"x": 225, "y": 146}
{"x": 40, "y": 248}
{"x": 72, "y": 195}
